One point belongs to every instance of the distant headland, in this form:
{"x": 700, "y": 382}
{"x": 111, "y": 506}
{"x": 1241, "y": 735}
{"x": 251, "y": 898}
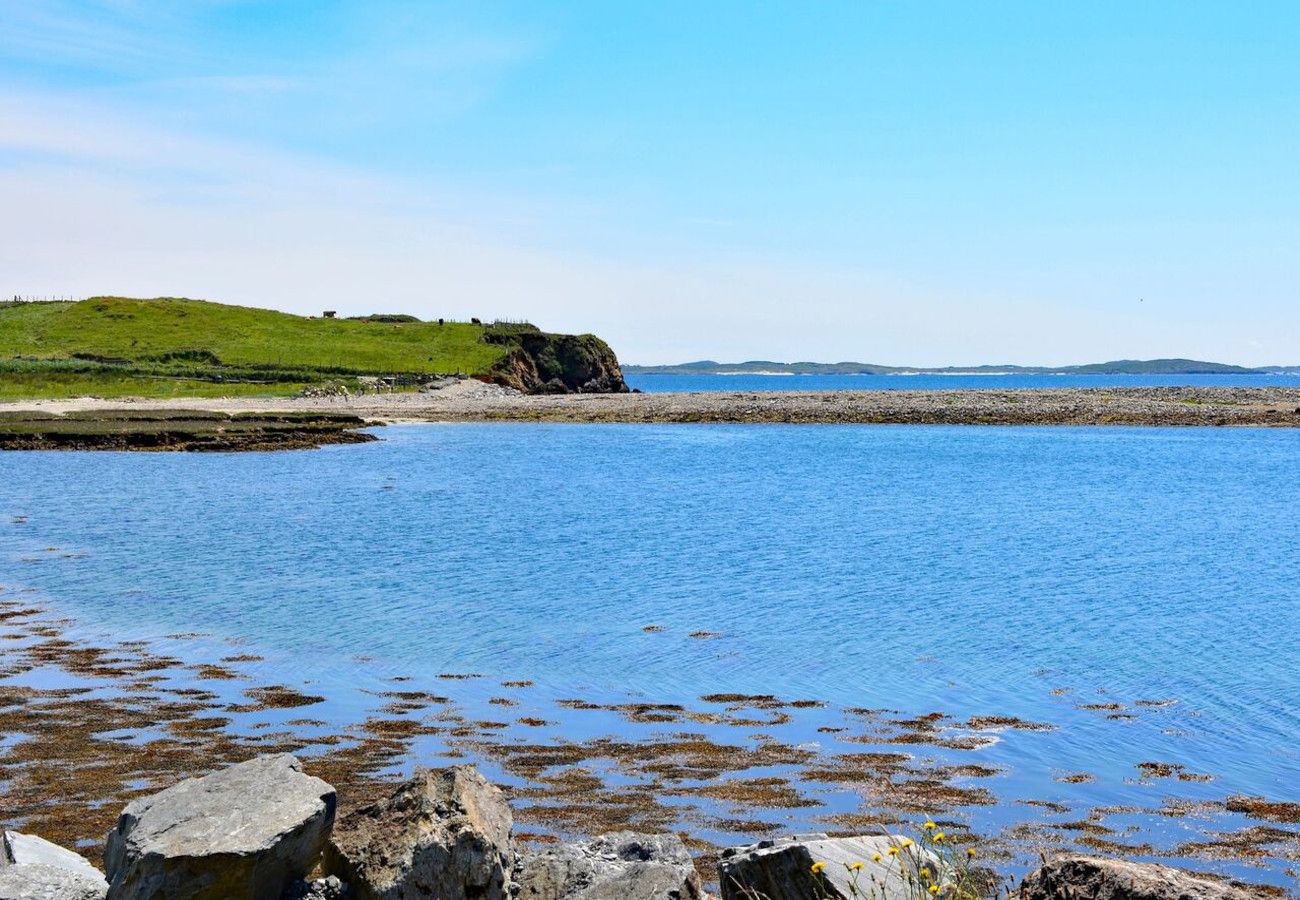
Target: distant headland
{"x": 1116, "y": 367}
{"x": 174, "y": 347}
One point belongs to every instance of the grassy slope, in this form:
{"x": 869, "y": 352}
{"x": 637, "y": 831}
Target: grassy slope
{"x": 36, "y": 385}
{"x": 145, "y": 335}
{"x": 140, "y": 329}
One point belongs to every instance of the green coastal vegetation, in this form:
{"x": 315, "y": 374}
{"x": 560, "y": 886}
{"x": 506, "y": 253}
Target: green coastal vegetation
{"x": 175, "y": 347}
{"x": 1116, "y": 367}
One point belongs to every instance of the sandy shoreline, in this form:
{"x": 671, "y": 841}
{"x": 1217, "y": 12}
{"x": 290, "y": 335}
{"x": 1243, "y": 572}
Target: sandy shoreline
{"x": 472, "y": 401}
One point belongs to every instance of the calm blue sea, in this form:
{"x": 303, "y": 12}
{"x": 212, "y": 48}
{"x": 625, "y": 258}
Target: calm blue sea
{"x": 685, "y": 383}
{"x": 1025, "y": 572}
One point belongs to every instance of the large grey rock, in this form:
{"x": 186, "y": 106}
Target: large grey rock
{"x": 243, "y": 833}
{"x": 619, "y": 866}
{"x": 1095, "y": 878}
{"x": 781, "y": 869}
{"x": 31, "y": 868}
{"x": 444, "y": 834}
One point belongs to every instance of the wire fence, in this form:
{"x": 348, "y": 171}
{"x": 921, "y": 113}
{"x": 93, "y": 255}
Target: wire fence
{"x": 45, "y": 298}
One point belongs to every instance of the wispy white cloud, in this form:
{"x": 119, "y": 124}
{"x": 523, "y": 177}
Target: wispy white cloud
{"x": 235, "y": 84}
{"x": 111, "y": 36}
{"x": 329, "y": 74}
{"x": 97, "y": 202}
{"x": 398, "y": 45}
{"x": 112, "y": 205}
{"x": 155, "y": 181}
{"x": 81, "y": 136}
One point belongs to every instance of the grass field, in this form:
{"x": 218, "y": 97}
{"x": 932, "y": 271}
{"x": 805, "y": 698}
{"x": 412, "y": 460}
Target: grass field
{"x": 170, "y": 347}
{"x": 36, "y": 384}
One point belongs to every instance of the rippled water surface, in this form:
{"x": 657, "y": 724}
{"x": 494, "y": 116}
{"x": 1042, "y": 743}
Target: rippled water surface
{"x": 1139, "y": 589}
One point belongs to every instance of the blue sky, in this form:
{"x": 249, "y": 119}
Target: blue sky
{"x": 897, "y": 182}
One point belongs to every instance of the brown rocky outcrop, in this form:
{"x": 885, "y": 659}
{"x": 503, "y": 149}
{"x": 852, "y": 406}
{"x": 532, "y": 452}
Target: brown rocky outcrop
{"x": 1095, "y": 878}
{"x": 618, "y": 866}
{"x": 542, "y": 363}
{"x": 445, "y": 834}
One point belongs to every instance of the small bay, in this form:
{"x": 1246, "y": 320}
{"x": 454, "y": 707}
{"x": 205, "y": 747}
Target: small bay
{"x": 1112, "y": 610}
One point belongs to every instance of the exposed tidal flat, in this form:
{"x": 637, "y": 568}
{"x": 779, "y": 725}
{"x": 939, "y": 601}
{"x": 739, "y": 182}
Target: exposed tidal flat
{"x": 473, "y": 401}
{"x": 169, "y": 429}
{"x": 1172, "y": 406}
{"x": 1045, "y": 637}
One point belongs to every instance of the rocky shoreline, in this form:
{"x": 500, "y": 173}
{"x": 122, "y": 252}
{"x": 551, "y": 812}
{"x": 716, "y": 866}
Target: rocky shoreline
{"x": 1084, "y": 406}
{"x": 473, "y": 401}
{"x": 172, "y": 429}
{"x": 260, "y": 829}
{"x": 91, "y": 725}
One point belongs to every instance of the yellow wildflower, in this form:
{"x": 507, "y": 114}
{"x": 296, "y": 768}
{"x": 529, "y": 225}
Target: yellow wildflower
{"x": 875, "y": 857}
{"x": 925, "y": 871}
{"x": 929, "y": 826}
{"x": 970, "y": 852}
{"x": 893, "y": 851}
{"x": 939, "y": 837}
{"x": 907, "y": 842}
{"x": 934, "y": 889}
{"x": 819, "y": 867}
{"x": 856, "y": 866}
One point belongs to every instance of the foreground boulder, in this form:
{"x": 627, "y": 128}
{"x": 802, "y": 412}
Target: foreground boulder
{"x": 443, "y": 834}
{"x": 243, "y": 833}
{"x": 31, "y": 868}
{"x": 620, "y": 866}
{"x": 1095, "y": 878}
{"x": 782, "y": 869}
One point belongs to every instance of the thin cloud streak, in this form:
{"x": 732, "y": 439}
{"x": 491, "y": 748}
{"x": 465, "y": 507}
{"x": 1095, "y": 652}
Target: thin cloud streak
{"x": 119, "y": 37}
{"x": 114, "y": 206}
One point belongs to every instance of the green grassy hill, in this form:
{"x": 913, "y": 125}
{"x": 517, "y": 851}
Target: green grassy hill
{"x": 116, "y": 346}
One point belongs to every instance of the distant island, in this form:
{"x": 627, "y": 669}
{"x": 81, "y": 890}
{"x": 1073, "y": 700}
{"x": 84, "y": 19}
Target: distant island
{"x": 1117, "y": 367}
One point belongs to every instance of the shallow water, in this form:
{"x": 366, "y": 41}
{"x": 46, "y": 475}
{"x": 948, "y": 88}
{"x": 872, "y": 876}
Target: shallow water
{"x": 673, "y": 384}
{"x": 1135, "y": 588}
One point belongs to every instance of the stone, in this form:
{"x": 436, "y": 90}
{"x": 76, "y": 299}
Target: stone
{"x": 781, "y": 869}
{"x": 321, "y": 889}
{"x": 18, "y": 849}
{"x": 445, "y": 833}
{"x": 243, "y": 833}
{"x": 31, "y": 868}
{"x": 619, "y": 866}
{"x": 37, "y": 882}
{"x": 1096, "y": 878}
